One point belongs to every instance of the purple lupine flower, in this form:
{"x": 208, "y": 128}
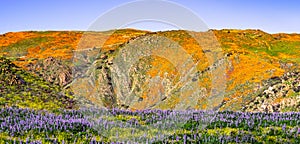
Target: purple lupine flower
{"x": 184, "y": 138}
{"x": 237, "y": 139}
{"x": 284, "y": 127}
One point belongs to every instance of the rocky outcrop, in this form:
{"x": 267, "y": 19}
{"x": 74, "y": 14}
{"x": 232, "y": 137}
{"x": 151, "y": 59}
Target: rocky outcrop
{"x": 8, "y": 74}
{"x": 92, "y": 82}
{"x": 23, "y": 89}
{"x": 52, "y": 70}
{"x": 278, "y": 94}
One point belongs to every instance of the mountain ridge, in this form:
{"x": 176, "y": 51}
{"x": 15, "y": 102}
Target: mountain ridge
{"x": 252, "y": 55}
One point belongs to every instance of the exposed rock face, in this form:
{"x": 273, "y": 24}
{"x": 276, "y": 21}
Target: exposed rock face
{"x": 279, "y": 94}
{"x": 92, "y": 82}
{"x": 52, "y": 70}
{"x": 100, "y": 74}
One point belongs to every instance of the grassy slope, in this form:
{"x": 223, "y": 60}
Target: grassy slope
{"x": 22, "y": 89}
{"x": 256, "y": 56}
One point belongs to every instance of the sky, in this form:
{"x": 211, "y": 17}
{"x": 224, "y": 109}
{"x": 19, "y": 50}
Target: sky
{"x": 272, "y": 16}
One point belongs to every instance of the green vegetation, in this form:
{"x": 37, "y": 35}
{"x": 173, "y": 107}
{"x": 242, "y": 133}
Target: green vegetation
{"x": 146, "y": 126}
{"x": 20, "y": 48}
{"x": 23, "y": 89}
{"x": 285, "y": 47}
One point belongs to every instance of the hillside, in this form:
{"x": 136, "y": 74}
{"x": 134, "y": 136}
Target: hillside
{"x": 251, "y": 58}
{"x": 22, "y": 89}
{"x": 256, "y": 56}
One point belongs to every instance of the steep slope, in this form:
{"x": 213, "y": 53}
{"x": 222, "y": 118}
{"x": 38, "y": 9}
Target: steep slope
{"x": 279, "y": 94}
{"x": 22, "y": 89}
{"x": 255, "y": 56}
{"x": 52, "y": 70}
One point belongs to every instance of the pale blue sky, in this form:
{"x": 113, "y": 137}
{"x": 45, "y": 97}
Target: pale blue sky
{"x": 272, "y": 16}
